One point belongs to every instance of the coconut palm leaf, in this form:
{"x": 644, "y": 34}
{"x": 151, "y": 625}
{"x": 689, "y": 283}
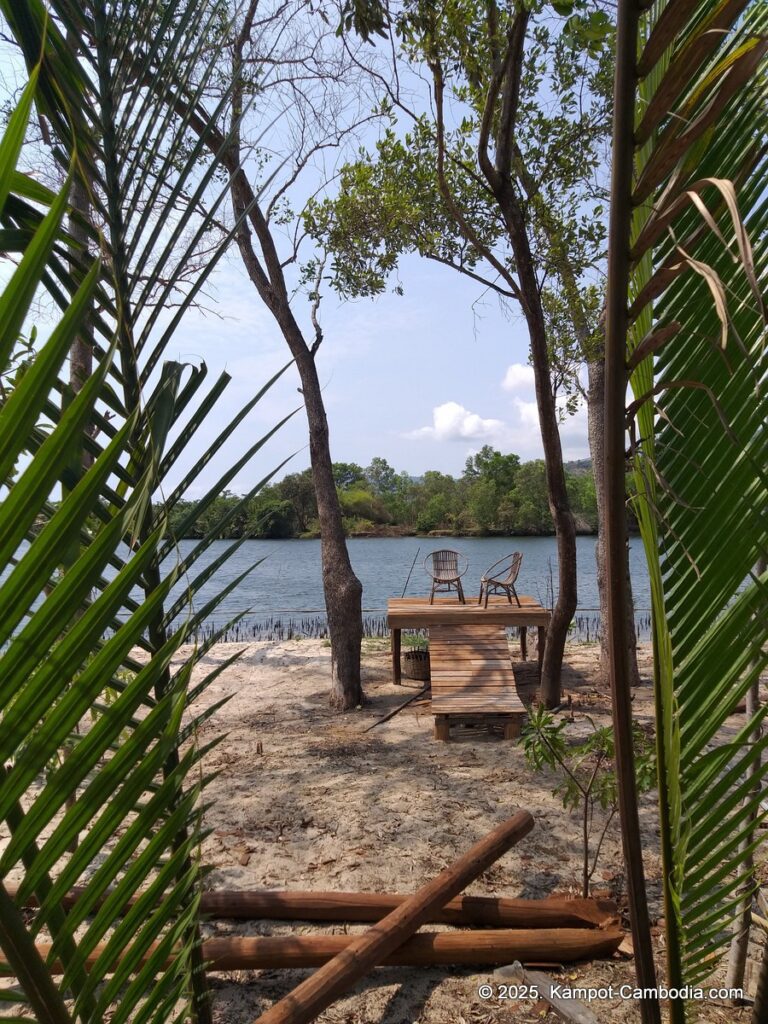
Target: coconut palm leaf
{"x": 687, "y": 315}
{"x": 91, "y": 578}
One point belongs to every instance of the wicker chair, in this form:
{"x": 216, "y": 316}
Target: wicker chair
{"x": 446, "y": 568}
{"x": 501, "y": 577}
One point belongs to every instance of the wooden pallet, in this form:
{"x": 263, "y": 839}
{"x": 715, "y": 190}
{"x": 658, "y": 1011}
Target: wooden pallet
{"x": 471, "y": 674}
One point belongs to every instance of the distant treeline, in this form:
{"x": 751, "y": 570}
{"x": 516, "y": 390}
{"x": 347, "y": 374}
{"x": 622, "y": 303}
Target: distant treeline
{"x": 496, "y": 494}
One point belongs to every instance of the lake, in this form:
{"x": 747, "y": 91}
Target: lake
{"x": 284, "y": 592}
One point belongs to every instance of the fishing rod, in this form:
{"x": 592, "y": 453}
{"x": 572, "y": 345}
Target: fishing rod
{"x": 408, "y": 580}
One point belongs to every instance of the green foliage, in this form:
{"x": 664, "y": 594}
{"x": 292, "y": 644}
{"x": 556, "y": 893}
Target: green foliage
{"x": 495, "y": 494}
{"x": 391, "y": 200}
{"x": 586, "y": 771}
{"x": 347, "y": 474}
{"x": 81, "y": 543}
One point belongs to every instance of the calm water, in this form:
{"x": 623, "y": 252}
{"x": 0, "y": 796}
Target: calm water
{"x": 288, "y": 585}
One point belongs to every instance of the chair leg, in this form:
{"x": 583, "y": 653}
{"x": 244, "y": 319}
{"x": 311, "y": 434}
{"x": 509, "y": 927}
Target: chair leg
{"x": 480, "y": 595}
{"x": 460, "y": 591}
{"x": 432, "y": 593}
{"x": 516, "y": 597}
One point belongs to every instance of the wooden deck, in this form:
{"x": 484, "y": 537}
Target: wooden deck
{"x": 470, "y": 665}
{"x": 471, "y": 673}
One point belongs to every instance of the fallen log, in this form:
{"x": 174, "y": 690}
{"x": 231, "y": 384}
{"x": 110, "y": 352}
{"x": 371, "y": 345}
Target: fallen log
{"x": 428, "y": 949}
{"x": 298, "y": 905}
{"x": 373, "y": 947}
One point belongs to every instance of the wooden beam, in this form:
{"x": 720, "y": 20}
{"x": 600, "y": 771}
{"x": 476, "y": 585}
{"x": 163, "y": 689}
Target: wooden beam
{"x": 542, "y": 945}
{"x": 233, "y": 953}
{"x": 302, "y": 905}
{"x": 364, "y": 952}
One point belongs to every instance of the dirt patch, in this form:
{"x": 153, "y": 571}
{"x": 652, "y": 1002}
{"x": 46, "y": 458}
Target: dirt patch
{"x": 308, "y": 799}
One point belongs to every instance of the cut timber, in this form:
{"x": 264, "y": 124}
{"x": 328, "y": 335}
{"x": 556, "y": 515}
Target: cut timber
{"x": 363, "y": 953}
{"x": 542, "y": 945}
{"x": 470, "y": 676}
{"x": 301, "y": 905}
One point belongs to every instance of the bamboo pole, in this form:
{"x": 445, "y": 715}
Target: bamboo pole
{"x": 428, "y": 949}
{"x": 363, "y": 953}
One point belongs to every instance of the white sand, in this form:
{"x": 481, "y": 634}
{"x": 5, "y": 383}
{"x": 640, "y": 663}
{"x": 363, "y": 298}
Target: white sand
{"x": 307, "y": 799}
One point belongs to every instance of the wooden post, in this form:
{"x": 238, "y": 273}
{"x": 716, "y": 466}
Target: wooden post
{"x": 312, "y": 996}
{"x": 524, "y": 643}
{"x": 234, "y": 952}
{"x": 303, "y": 905}
{"x": 394, "y": 641}
{"x": 442, "y": 728}
{"x": 513, "y": 727}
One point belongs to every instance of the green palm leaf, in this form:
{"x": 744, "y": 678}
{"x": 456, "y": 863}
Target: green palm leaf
{"x": 115, "y": 814}
{"x": 694, "y": 222}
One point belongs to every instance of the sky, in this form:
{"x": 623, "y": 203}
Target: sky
{"x": 423, "y": 380}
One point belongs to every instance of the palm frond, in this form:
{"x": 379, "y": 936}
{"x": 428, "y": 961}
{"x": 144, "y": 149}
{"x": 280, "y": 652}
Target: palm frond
{"x": 89, "y": 623}
{"x": 695, "y": 222}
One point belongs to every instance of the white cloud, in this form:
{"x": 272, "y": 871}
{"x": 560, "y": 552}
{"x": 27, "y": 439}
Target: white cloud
{"x": 519, "y": 377}
{"x": 452, "y": 422}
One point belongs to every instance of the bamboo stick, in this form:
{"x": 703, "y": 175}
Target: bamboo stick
{"x": 363, "y": 953}
{"x": 540, "y": 945}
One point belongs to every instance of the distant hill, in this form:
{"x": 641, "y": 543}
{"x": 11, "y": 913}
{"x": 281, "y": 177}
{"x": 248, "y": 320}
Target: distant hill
{"x": 579, "y": 467}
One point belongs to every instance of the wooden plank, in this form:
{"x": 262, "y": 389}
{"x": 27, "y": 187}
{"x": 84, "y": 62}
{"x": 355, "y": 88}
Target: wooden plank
{"x": 483, "y": 699}
{"x": 459, "y": 707}
{"x": 364, "y": 952}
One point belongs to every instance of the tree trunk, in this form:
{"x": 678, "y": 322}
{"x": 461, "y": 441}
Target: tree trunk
{"x": 596, "y": 428}
{"x": 343, "y": 590}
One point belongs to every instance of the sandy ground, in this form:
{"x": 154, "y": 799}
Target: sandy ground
{"x": 308, "y": 799}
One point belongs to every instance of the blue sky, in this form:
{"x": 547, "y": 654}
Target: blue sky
{"x": 423, "y": 379}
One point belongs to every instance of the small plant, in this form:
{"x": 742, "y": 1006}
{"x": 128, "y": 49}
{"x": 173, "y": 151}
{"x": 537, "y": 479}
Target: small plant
{"x": 587, "y": 773}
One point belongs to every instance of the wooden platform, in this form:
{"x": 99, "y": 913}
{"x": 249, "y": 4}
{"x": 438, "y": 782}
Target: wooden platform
{"x": 470, "y": 666}
{"x": 471, "y": 673}
{"x": 418, "y": 613}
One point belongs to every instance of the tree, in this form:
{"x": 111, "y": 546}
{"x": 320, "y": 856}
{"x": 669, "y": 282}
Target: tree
{"x": 381, "y": 476}
{"x": 505, "y": 195}
{"x": 345, "y": 474}
{"x": 285, "y": 70}
{"x": 297, "y": 488}
{"x": 685, "y": 326}
{"x": 529, "y": 499}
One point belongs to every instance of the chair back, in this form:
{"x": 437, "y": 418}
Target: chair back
{"x": 444, "y": 564}
{"x": 516, "y": 561}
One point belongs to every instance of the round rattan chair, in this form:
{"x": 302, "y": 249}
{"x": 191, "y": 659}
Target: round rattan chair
{"x": 446, "y": 568}
{"x": 501, "y": 577}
